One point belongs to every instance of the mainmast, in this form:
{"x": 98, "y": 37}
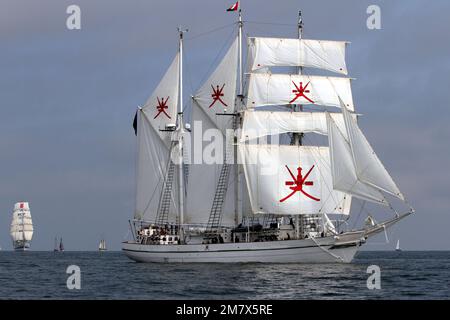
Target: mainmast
{"x": 236, "y": 125}
{"x": 180, "y": 132}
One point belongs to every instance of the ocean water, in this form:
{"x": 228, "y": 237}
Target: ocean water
{"x": 110, "y": 275}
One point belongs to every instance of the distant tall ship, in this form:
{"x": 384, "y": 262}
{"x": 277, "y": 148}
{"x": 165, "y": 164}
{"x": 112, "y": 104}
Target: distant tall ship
{"x": 102, "y": 245}
{"x": 21, "y": 226}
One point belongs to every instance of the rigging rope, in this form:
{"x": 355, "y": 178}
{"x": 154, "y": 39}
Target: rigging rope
{"x": 325, "y": 250}
{"x": 211, "y": 31}
{"x": 272, "y": 23}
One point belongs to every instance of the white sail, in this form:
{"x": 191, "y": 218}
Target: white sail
{"x": 161, "y": 107}
{"x": 328, "y": 225}
{"x": 159, "y": 111}
{"x": 218, "y": 93}
{"x": 265, "y": 123}
{"x": 343, "y": 168}
{"x": 204, "y": 174}
{"x": 270, "y": 52}
{"x": 284, "y": 89}
{"x": 291, "y": 180}
{"x": 153, "y": 155}
{"x": 369, "y": 168}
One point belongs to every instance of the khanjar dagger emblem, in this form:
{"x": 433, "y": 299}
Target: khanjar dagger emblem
{"x": 297, "y": 183}
{"x": 300, "y": 92}
{"x": 161, "y": 107}
{"x": 217, "y": 94}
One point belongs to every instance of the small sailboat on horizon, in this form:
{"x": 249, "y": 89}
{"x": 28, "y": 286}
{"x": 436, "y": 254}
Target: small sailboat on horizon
{"x": 397, "y": 247}
{"x": 56, "y": 248}
{"x": 61, "y": 246}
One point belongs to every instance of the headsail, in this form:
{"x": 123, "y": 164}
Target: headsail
{"x": 284, "y": 89}
{"x": 343, "y": 168}
{"x": 270, "y": 52}
{"x": 291, "y": 180}
{"x": 369, "y": 168}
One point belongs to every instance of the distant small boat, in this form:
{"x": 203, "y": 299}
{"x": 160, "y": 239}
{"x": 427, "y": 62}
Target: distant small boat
{"x": 397, "y": 247}
{"x": 61, "y": 246}
{"x": 102, "y": 245}
{"x": 56, "y": 248}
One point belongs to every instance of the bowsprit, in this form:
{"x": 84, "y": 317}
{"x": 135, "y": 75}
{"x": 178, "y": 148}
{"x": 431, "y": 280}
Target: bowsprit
{"x": 298, "y": 182}
{"x": 161, "y": 107}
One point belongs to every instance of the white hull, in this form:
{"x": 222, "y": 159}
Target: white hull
{"x": 320, "y": 250}
{"x": 339, "y": 249}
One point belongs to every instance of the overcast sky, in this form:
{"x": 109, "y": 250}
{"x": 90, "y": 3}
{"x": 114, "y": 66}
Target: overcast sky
{"x": 67, "y": 99}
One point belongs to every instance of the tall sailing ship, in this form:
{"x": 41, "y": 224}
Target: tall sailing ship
{"x": 21, "y": 226}
{"x": 271, "y": 195}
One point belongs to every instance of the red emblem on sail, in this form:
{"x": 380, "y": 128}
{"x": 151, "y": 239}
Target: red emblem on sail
{"x": 300, "y": 92}
{"x": 217, "y": 94}
{"x": 161, "y": 107}
{"x": 298, "y": 183}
